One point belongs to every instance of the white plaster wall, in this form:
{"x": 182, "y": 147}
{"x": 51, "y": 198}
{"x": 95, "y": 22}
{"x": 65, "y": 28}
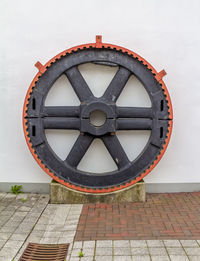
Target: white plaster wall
{"x": 166, "y": 33}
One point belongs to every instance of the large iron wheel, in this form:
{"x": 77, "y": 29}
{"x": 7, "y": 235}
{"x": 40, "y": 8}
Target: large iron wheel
{"x": 37, "y": 117}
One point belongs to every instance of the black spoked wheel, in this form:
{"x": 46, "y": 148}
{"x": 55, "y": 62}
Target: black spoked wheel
{"x": 39, "y": 117}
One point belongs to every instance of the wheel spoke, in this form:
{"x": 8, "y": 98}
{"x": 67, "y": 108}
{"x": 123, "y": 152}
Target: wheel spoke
{"x": 61, "y": 123}
{"x": 117, "y": 84}
{"x": 116, "y": 150}
{"x": 134, "y": 124}
{"x": 79, "y": 84}
{"x": 61, "y": 111}
{"x": 134, "y": 112}
{"x": 79, "y": 149}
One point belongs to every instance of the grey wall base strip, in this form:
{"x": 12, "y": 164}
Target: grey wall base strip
{"x": 150, "y": 187}
{"x": 43, "y": 188}
{"x": 172, "y": 187}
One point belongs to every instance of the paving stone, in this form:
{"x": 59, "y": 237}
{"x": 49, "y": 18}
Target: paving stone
{"x": 124, "y": 258}
{"x": 86, "y": 258}
{"x": 17, "y": 218}
{"x": 8, "y": 252}
{"x": 67, "y": 257}
{"x": 21, "y": 250}
{"x": 5, "y": 235}
{"x": 172, "y": 243}
{"x": 69, "y": 233}
{"x": 27, "y": 224}
{"x": 22, "y": 195}
{"x": 160, "y": 258}
{"x": 23, "y": 229}
{"x": 73, "y": 217}
{"x": 69, "y": 227}
{"x": 49, "y": 240}
{"x": 43, "y": 221}
{"x": 52, "y": 234}
{"x": 179, "y": 258}
{"x": 34, "y": 239}
{"x": 103, "y": 258}
{"x": 88, "y": 244}
{"x": 175, "y": 251}
{"x": 40, "y": 227}
{"x": 121, "y": 243}
{"x": 65, "y": 240}
{"x": 6, "y": 258}
{"x": 103, "y": 251}
{"x": 7, "y": 213}
{"x": 77, "y": 206}
{"x": 11, "y": 208}
{"x": 189, "y": 243}
{"x": 24, "y": 209}
{"x": 2, "y": 195}
{"x": 19, "y": 237}
{"x": 75, "y": 259}
{"x": 17, "y": 257}
{"x": 12, "y": 223}
{"x": 157, "y": 251}
{"x": 1, "y": 208}
{"x": 74, "y": 212}
{"x": 192, "y": 251}
{"x": 78, "y": 244}
{"x": 20, "y": 214}
{"x": 122, "y": 251}
{"x": 88, "y": 251}
{"x": 70, "y": 247}
{"x": 155, "y": 243}
{"x": 14, "y": 244}
{"x": 4, "y": 219}
{"x": 194, "y": 258}
{"x": 54, "y": 228}
{"x": 104, "y": 243}
{"x": 2, "y": 243}
{"x": 138, "y": 243}
{"x": 141, "y": 258}
{"x": 32, "y": 215}
{"x": 75, "y": 252}
{"x": 37, "y": 233}
{"x": 71, "y": 222}
{"x": 10, "y": 196}
{"x": 136, "y": 251}
{"x": 7, "y": 229}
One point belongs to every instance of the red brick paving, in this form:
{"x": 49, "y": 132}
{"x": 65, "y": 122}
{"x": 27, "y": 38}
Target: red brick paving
{"x": 162, "y": 216}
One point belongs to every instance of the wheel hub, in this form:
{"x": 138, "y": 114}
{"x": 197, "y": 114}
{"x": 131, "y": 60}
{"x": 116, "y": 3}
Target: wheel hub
{"x": 106, "y": 109}
{"x": 97, "y": 118}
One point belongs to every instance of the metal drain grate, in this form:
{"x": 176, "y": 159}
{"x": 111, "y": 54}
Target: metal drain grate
{"x": 47, "y": 252}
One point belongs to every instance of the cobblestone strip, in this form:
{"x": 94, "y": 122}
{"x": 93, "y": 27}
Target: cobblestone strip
{"x": 136, "y": 250}
{"x": 57, "y": 225}
{"x": 18, "y": 216}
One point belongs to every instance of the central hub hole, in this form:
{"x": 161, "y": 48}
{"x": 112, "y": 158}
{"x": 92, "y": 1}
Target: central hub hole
{"x": 97, "y": 118}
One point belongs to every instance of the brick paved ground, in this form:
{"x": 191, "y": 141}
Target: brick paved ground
{"x": 34, "y": 220}
{"x": 163, "y": 216}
